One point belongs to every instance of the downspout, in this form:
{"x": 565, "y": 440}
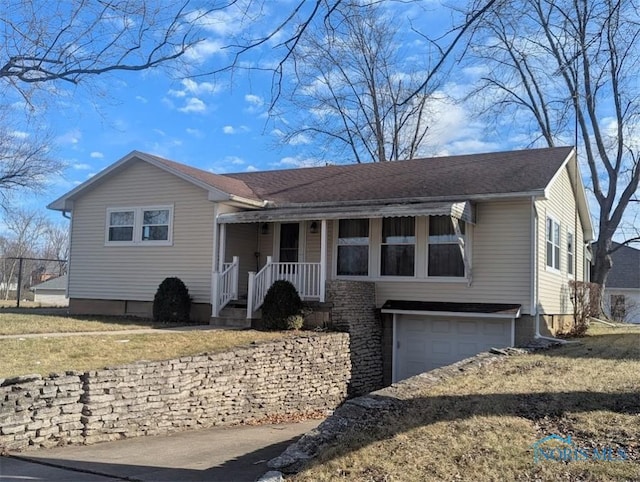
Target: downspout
{"x": 535, "y": 279}
{"x": 67, "y": 215}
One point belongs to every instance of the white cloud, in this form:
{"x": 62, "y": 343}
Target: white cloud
{"x": 254, "y": 100}
{"x": 19, "y": 134}
{"x": 70, "y": 137}
{"x": 203, "y": 50}
{"x": 141, "y": 99}
{"x": 228, "y": 130}
{"x": 196, "y": 88}
{"x": 82, "y": 166}
{"x": 194, "y": 132}
{"x": 96, "y": 155}
{"x": 251, "y": 168}
{"x": 298, "y": 161}
{"x": 299, "y": 140}
{"x": 194, "y": 105}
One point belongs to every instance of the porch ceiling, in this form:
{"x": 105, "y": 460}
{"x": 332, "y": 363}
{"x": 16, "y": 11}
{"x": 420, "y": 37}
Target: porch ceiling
{"x": 462, "y": 210}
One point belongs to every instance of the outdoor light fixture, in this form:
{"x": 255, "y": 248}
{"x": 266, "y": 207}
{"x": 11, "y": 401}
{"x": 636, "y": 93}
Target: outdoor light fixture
{"x": 264, "y": 228}
{"x": 313, "y": 227}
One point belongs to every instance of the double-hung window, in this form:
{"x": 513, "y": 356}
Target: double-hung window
{"x": 140, "y": 225}
{"x": 446, "y": 247}
{"x": 553, "y": 243}
{"x": 120, "y": 226}
{"x": 398, "y": 248}
{"x": 353, "y": 247}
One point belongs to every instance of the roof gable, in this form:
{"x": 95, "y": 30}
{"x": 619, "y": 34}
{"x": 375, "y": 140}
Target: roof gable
{"x": 220, "y": 188}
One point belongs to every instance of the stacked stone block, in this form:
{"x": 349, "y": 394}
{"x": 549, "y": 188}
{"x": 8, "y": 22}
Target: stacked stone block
{"x": 40, "y": 411}
{"x": 291, "y": 376}
{"x": 354, "y": 311}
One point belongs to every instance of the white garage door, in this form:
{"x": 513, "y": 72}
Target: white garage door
{"x": 424, "y": 343}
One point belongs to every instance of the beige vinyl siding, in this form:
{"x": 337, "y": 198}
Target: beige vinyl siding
{"x": 134, "y": 272}
{"x": 554, "y": 296}
{"x": 500, "y": 258}
{"x": 242, "y": 241}
{"x": 312, "y": 243}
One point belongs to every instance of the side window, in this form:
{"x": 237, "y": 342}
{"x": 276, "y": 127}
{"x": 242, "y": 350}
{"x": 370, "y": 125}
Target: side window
{"x": 353, "y": 247}
{"x": 120, "y": 226}
{"x": 445, "y": 255}
{"x": 155, "y": 225}
{"x": 553, "y": 243}
{"x": 139, "y": 225}
{"x": 570, "y": 253}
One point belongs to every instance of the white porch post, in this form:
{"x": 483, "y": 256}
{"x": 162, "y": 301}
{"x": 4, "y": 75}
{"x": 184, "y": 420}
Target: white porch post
{"x": 323, "y": 259}
{"x": 251, "y": 288}
{"x": 214, "y": 264}
{"x": 222, "y": 241}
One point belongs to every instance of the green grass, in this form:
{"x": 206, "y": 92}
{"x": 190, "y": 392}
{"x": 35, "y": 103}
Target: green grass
{"x": 482, "y": 425}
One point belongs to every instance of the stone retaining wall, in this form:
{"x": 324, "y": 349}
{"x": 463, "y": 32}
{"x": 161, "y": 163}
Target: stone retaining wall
{"x": 296, "y": 375}
{"x": 354, "y": 311}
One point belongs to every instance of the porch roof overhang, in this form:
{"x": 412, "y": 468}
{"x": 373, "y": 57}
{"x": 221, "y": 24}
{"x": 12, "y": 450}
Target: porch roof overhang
{"x": 463, "y": 210}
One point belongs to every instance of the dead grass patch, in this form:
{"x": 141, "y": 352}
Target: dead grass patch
{"x": 482, "y": 425}
{"x": 21, "y": 356}
{"x": 23, "y": 323}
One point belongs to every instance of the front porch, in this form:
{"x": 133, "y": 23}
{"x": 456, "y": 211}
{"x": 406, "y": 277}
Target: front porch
{"x": 258, "y": 254}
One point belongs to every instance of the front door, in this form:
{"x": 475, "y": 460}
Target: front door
{"x": 289, "y": 242}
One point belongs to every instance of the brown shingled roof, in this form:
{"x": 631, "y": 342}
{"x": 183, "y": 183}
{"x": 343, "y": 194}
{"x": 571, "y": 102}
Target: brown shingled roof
{"x": 451, "y": 177}
{"x": 226, "y": 184}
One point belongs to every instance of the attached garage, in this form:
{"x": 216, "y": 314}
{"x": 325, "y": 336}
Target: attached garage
{"x": 431, "y": 335}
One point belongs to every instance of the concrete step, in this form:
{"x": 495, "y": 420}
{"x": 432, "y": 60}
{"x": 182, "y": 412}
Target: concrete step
{"x": 230, "y": 322}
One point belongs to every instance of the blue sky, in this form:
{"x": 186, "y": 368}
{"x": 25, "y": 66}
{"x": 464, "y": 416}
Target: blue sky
{"x": 221, "y": 123}
{"x": 218, "y": 123}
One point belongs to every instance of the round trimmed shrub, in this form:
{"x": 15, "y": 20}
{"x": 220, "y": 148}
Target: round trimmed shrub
{"x": 281, "y": 302}
{"x": 172, "y": 302}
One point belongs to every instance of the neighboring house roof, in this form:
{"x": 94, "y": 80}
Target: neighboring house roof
{"x": 59, "y": 283}
{"x": 451, "y": 178}
{"x": 625, "y": 272}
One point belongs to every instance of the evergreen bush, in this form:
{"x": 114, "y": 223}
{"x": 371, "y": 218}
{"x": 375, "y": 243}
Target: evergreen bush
{"x": 281, "y": 302}
{"x": 172, "y": 302}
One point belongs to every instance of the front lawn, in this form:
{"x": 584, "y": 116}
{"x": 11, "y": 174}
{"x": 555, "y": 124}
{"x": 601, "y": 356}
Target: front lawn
{"x": 44, "y": 355}
{"x": 22, "y": 322}
{"x": 483, "y": 425}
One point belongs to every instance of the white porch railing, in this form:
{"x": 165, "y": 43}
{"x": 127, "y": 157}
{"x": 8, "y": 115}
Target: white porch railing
{"x": 224, "y": 285}
{"x": 304, "y": 276}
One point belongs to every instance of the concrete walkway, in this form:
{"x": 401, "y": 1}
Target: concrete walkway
{"x": 218, "y": 454}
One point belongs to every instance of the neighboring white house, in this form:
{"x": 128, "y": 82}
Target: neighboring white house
{"x": 622, "y": 290}
{"x": 465, "y": 252}
{"x": 52, "y": 292}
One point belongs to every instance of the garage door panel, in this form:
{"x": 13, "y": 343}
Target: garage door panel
{"x": 425, "y": 343}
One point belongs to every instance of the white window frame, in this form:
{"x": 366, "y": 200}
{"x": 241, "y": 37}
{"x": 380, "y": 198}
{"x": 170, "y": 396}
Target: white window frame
{"x": 463, "y": 242}
{"x": 571, "y": 255}
{"x": 556, "y": 262}
{"x": 138, "y": 225}
{"x": 338, "y": 244}
{"x": 415, "y": 250}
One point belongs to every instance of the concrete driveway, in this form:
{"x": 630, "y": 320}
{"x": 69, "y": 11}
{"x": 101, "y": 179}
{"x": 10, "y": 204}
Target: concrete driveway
{"x": 218, "y": 454}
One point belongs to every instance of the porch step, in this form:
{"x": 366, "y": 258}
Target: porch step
{"x": 232, "y": 316}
